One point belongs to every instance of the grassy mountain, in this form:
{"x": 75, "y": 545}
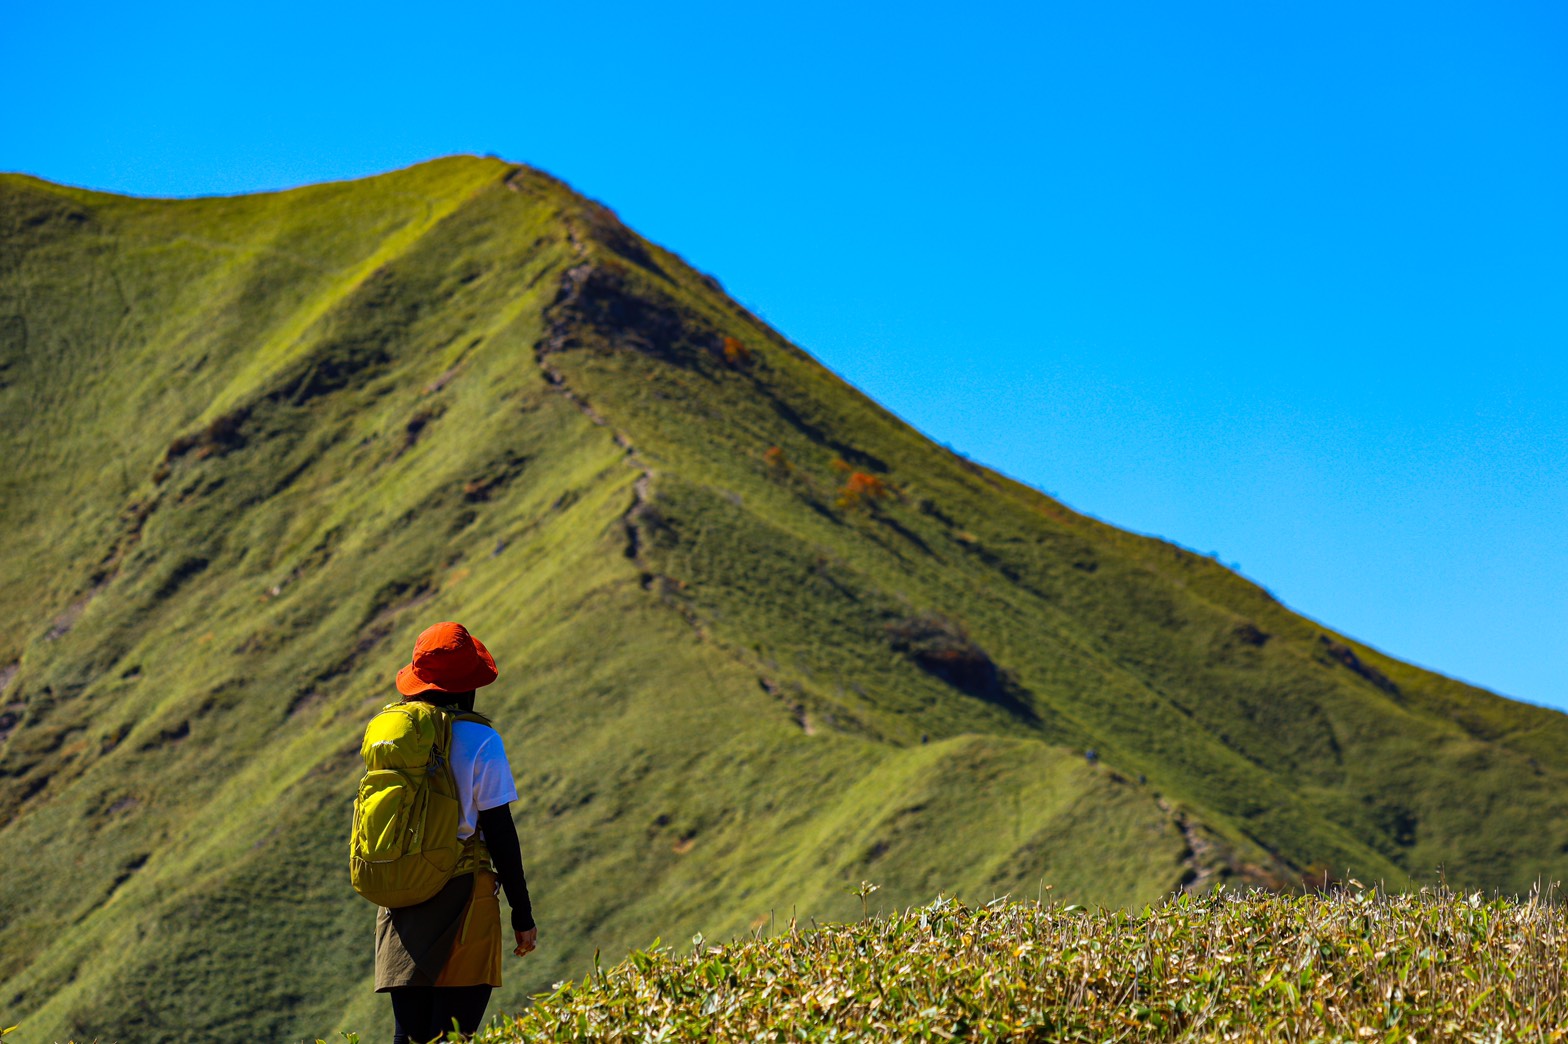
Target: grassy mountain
{"x": 758, "y": 639}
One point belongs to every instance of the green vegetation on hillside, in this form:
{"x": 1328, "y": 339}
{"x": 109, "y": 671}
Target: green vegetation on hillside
{"x": 1345, "y": 966}
{"x": 758, "y": 639}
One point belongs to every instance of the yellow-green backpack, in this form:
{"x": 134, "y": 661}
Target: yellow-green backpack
{"x": 403, "y": 846}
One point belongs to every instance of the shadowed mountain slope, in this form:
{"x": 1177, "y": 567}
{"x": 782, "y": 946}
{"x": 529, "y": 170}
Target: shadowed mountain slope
{"x": 758, "y": 639}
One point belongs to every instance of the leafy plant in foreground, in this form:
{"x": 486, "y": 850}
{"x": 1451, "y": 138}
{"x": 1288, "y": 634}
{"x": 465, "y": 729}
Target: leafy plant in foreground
{"x": 1345, "y": 965}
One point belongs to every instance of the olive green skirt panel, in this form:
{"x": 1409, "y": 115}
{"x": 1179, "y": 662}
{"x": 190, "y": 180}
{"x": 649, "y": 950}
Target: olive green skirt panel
{"x": 450, "y": 939}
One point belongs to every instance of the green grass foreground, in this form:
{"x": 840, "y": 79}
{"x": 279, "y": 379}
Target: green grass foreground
{"x": 1348, "y": 965}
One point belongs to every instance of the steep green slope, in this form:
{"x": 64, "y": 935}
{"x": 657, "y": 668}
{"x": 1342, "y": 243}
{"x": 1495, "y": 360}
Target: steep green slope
{"x": 758, "y": 640}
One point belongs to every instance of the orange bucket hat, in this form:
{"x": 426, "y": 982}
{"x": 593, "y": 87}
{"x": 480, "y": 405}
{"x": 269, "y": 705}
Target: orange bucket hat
{"x": 446, "y": 659}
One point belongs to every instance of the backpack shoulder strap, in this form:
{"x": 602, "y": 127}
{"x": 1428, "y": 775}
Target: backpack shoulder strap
{"x": 449, "y": 713}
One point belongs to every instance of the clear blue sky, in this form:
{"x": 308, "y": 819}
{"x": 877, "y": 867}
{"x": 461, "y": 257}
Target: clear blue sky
{"x": 1284, "y": 281}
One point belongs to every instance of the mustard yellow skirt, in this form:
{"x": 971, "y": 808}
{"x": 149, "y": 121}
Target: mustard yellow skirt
{"x": 450, "y": 939}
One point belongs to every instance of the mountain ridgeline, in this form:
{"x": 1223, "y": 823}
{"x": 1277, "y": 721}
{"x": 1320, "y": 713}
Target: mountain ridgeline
{"x": 759, "y": 641}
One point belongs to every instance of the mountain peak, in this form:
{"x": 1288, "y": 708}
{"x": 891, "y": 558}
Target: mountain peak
{"x": 757, "y": 638}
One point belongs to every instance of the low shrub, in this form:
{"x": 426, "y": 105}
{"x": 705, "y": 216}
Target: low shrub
{"x": 736, "y": 353}
{"x": 1348, "y": 965}
{"x": 861, "y": 489}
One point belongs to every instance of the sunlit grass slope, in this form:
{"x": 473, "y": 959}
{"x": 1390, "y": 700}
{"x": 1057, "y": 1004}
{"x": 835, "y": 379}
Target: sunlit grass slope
{"x": 758, "y": 639}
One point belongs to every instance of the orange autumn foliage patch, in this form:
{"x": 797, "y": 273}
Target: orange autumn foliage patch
{"x": 735, "y": 352}
{"x": 860, "y": 489}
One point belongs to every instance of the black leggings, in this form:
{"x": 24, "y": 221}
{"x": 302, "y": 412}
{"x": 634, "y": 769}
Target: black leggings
{"x": 424, "y": 1013}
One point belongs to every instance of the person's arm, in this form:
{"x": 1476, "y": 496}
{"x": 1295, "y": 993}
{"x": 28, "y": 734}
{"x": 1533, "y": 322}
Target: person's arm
{"x": 501, "y": 838}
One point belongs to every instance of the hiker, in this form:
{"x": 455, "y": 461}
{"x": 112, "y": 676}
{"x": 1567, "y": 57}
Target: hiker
{"x": 440, "y": 958}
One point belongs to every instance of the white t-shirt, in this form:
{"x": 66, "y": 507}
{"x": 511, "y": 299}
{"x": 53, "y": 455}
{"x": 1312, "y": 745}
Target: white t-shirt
{"x": 484, "y": 776}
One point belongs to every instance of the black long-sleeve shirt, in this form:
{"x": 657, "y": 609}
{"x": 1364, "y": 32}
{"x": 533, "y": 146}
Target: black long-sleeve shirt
{"x": 500, "y": 835}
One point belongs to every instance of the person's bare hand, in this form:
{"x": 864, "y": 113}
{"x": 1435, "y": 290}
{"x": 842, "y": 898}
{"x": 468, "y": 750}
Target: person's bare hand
{"x": 526, "y": 941}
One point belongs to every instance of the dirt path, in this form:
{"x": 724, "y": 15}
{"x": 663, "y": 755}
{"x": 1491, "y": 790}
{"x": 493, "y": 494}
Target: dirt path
{"x": 557, "y": 336}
